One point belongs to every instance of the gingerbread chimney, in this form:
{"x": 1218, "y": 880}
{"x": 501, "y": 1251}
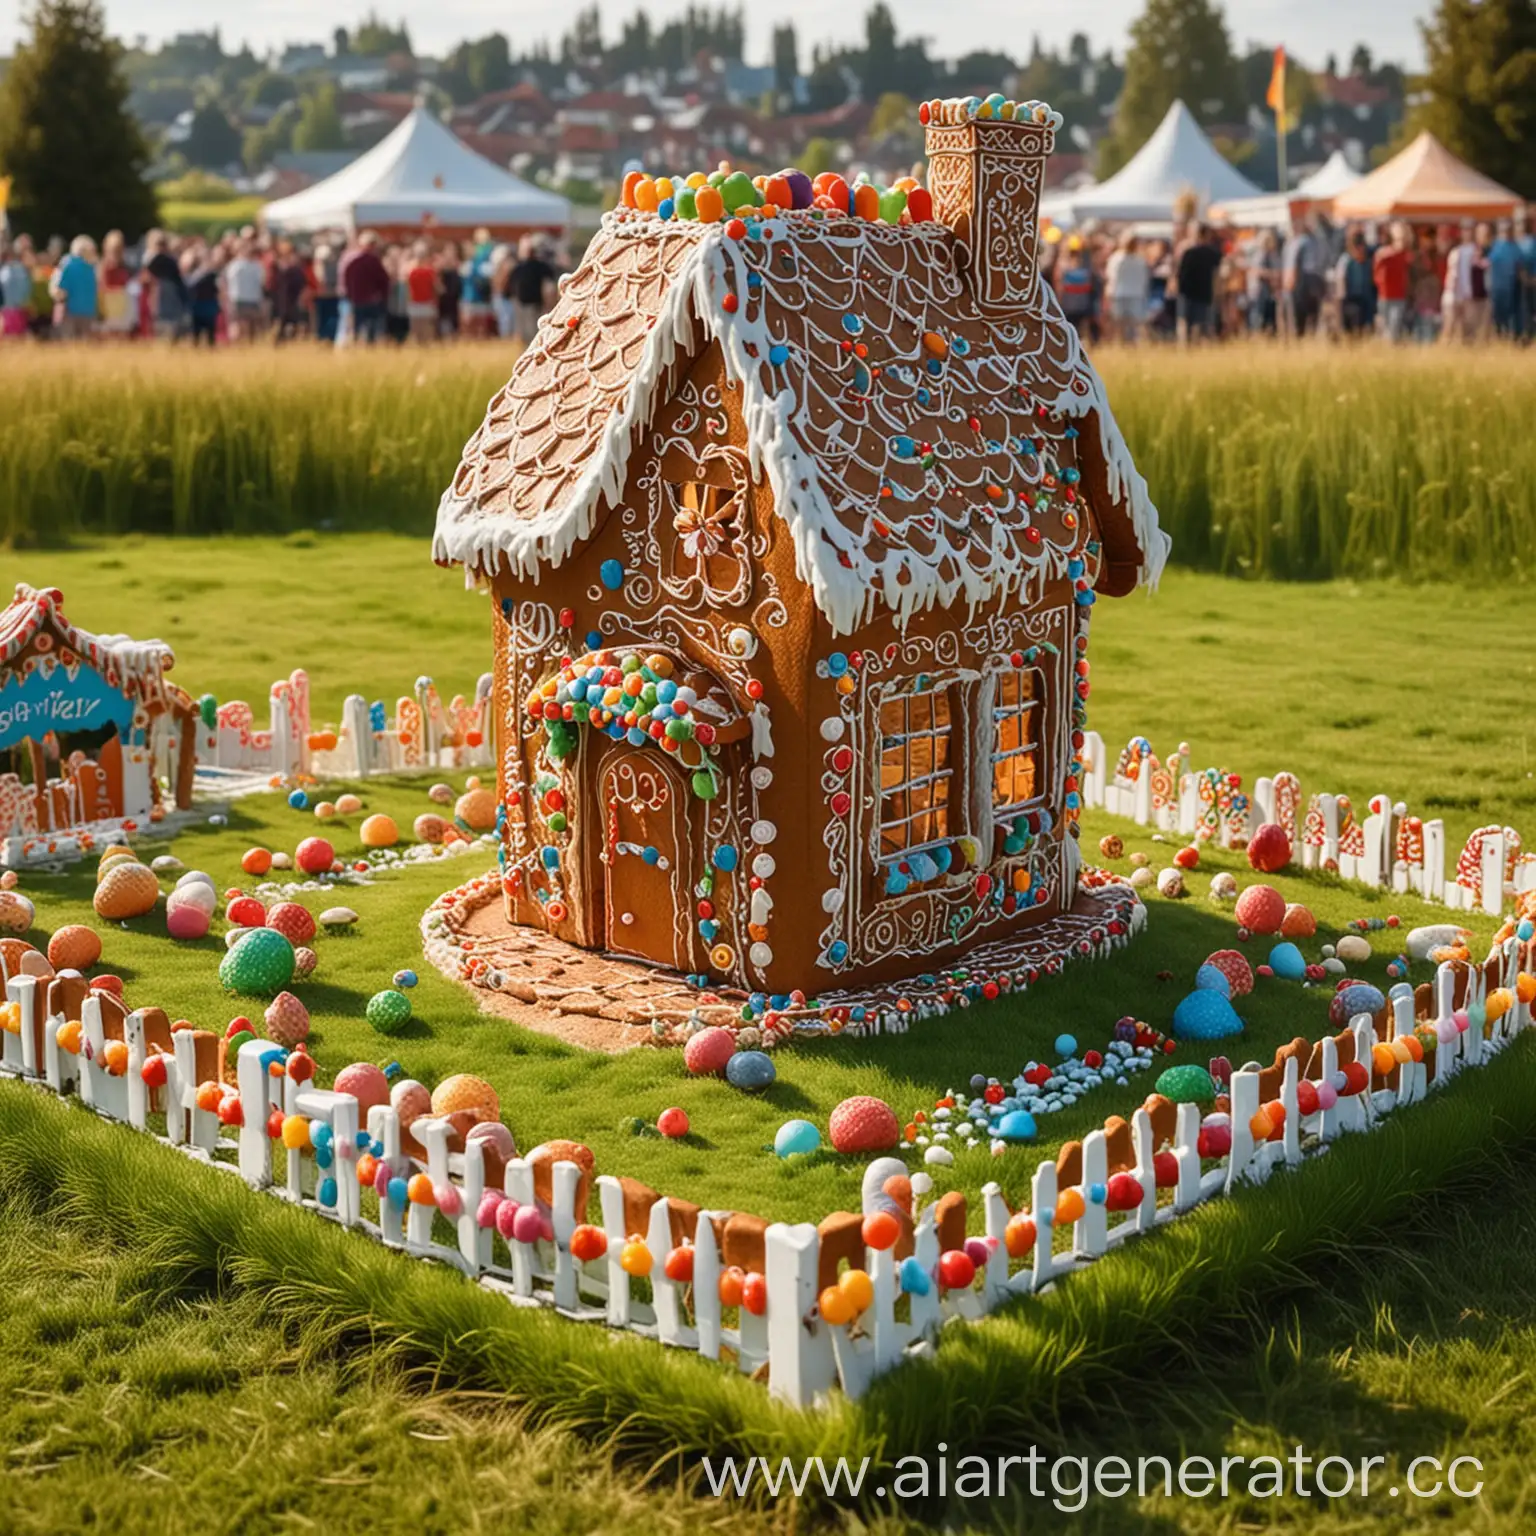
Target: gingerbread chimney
{"x": 986, "y": 166}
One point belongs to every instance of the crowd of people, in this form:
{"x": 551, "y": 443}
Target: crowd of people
{"x": 247, "y": 286}
{"x": 1462, "y": 283}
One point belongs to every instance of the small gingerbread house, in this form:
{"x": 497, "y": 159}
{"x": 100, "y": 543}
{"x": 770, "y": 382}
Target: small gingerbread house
{"x": 794, "y": 520}
{"x": 84, "y": 721}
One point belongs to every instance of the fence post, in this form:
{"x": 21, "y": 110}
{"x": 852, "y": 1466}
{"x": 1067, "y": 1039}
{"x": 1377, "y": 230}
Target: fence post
{"x": 1043, "y": 1201}
{"x": 1245, "y": 1105}
{"x": 565, "y": 1179}
{"x": 384, "y": 1128}
{"x": 1186, "y": 1154}
{"x": 1090, "y": 1236}
{"x": 799, "y": 1354}
{"x": 21, "y": 990}
{"x": 611, "y": 1202}
{"x": 706, "y": 1286}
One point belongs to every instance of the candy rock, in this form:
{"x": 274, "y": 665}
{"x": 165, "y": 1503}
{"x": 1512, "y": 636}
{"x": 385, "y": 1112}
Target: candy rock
{"x": 128, "y": 890}
{"x": 1269, "y": 849}
{"x": 1260, "y": 909}
{"x": 708, "y": 1052}
{"x": 1298, "y": 922}
{"x": 1233, "y": 964}
{"x": 863, "y": 1124}
{"x": 464, "y": 1091}
{"x": 287, "y": 1019}
{"x": 388, "y": 1011}
{"x": 74, "y": 947}
{"x": 259, "y": 964}
{"x": 1358, "y": 997}
{"x": 1205, "y": 1015}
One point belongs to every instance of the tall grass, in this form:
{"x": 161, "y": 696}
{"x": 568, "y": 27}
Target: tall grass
{"x": 1299, "y": 464}
{"x": 990, "y": 1386}
{"x": 174, "y": 442}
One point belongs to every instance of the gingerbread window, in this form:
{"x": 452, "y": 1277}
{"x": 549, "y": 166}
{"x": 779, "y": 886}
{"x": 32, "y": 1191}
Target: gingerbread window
{"x": 710, "y": 556}
{"x": 916, "y": 770}
{"x": 1017, "y": 770}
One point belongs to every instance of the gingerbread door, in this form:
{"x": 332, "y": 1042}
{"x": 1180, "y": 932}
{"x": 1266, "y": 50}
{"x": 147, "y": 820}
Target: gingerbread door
{"x": 647, "y": 858}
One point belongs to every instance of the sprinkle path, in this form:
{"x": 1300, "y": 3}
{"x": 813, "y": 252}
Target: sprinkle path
{"x": 608, "y": 1003}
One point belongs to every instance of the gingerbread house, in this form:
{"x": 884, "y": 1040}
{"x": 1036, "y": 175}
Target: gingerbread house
{"x": 794, "y": 521}
{"x": 86, "y": 721}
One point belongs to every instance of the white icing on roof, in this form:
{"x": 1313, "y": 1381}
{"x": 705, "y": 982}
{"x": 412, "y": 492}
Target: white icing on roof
{"x": 868, "y": 523}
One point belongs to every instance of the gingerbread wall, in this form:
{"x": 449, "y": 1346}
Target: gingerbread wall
{"x": 693, "y": 566}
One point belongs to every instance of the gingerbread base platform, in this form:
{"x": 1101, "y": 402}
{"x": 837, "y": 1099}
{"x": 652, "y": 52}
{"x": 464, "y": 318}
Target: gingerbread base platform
{"x": 608, "y": 1003}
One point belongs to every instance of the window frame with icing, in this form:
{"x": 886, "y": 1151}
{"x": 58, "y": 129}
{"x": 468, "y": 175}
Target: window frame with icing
{"x": 1037, "y": 707}
{"x": 953, "y": 813}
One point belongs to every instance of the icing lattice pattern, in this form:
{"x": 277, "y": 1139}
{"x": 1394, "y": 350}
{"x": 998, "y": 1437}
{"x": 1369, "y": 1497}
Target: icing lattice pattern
{"x": 921, "y": 451}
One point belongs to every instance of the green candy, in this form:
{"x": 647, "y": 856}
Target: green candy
{"x": 389, "y": 1011}
{"x": 1187, "y": 1084}
{"x": 893, "y": 205}
{"x": 704, "y": 785}
{"x": 260, "y": 965}
{"x": 737, "y": 191}
{"x": 557, "y": 821}
{"x": 687, "y": 204}
{"x": 717, "y": 178}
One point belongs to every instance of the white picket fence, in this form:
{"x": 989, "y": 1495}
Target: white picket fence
{"x": 1388, "y": 848}
{"x": 421, "y": 734}
{"x": 451, "y": 1215}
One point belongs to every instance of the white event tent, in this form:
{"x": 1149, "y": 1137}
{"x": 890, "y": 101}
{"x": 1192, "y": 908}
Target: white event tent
{"x": 420, "y": 179}
{"x": 1278, "y": 210}
{"x": 1176, "y": 161}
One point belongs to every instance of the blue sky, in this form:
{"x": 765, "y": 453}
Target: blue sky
{"x": 1309, "y": 28}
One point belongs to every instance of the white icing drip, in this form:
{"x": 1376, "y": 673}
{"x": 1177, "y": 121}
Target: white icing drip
{"x": 907, "y": 583}
{"x": 140, "y": 662}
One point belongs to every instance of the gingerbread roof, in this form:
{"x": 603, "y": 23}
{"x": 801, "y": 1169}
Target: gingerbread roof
{"x": 137, "y": 667}
{"x": 907, "y": 433}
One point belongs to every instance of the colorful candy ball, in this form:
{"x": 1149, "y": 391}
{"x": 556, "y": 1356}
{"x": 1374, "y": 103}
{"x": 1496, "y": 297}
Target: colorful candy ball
{"x": 796, "y": 1137}
{"x": 74, "y": 947}
{"x": 863, "y": 1124}
{"x": 296, "y": 923}
{"x": 709, "y": 1051}
{"x": 389, "y": 1011}
{"x": 1261, "y": 909}
{"x": 1233, "y": 964}
{"x": 259, "y": 964}
{"x": 1269, "y": 849}
{"x": 673, "y": 1123}
{"x": 379, "y": 831}
{"x": 287, "y": 1020}
{"x": 314, "y": 856}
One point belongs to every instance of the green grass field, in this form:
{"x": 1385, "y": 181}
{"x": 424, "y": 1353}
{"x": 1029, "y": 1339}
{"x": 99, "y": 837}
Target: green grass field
{"x": 1296, "y": 463}
{"x": 1345, "y": 685}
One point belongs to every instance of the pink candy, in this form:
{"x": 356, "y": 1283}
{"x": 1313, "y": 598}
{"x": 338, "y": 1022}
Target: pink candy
{"x": 506, "y": 1217}
{"x": 449, "y": 1201}
{"x": 490, "y": 1203}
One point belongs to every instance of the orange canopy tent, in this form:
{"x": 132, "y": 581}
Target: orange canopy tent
{"x": 1425, "y": 181}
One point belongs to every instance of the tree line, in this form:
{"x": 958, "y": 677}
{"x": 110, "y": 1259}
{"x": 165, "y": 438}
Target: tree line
{"x": 77, "y": 159}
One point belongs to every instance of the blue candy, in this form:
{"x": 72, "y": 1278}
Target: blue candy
{"x": 794, "y": 1135}
{"x": 1206, "y": 1015}
{"x": 913, "y": 1278}
{"x": 753, "y": 1071}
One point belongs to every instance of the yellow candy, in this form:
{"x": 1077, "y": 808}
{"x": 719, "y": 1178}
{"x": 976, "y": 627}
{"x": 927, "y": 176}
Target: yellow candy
{"x": 846, "y": 683}
{"x": 1400, "y": 1051}
{"x": 1261, "y": 1127}
{"x": 664, "y": 187}
{"x": 836, "y": 1307}
{"x": 857, "y": 1288}
{"x": 646, "y": 199}
{"x": 1383, "y": 1059}
{"x": 697, "y": 180}
{"x": 1525, "y": 987}
{"x": 295, "y": 1133}
{"x": 68, "y": 1036}
{"x": 1500, "y": 1000}
{"x": 10, "y": 1018}
{"x": 635, "y": 1259}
